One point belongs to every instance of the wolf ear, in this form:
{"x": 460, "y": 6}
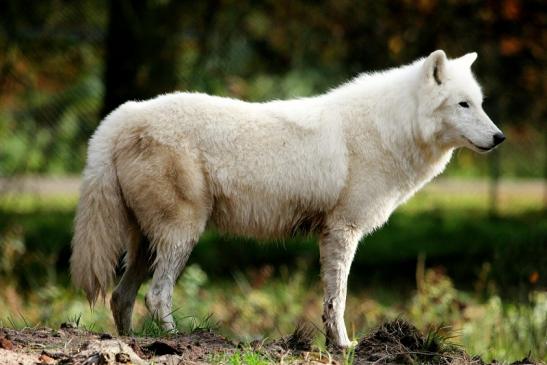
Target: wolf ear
{"x": 435, "y": 67}
{"x": 468, "y": 59}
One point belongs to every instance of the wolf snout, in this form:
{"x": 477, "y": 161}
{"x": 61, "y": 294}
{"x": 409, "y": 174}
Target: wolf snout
{"x": 498, "y": 138}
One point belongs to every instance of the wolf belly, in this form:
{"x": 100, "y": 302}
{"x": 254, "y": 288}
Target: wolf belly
{"x": 266, "y": 216}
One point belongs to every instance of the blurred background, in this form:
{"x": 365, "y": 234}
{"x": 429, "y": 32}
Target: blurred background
{"x": 468, "y": 254}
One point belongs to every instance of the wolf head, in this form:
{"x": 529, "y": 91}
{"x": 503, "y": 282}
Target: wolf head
{"x": 450, "y": 104}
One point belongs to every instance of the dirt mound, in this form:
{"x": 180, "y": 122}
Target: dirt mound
{"x": 76, "y": 346}
{"x": 400, "y": 342}
{"x": 396, "y": 342}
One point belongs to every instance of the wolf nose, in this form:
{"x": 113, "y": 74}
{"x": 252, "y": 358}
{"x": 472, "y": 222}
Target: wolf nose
{"x": 498, "y": 138}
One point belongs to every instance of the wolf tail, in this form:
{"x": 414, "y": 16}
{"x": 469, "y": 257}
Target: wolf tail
{"x": 101, "y": 228}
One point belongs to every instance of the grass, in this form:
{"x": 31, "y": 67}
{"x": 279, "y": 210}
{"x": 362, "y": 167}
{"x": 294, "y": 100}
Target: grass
{"x": 348, "y": 357}
{"x": 248, "y": 356}
{"x": 150, "y": 327}
{"x": 241, "y": 357}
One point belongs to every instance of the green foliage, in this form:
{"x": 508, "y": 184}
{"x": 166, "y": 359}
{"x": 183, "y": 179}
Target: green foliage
{"x": 49, "y": 135}
{"x": 191, "y": 283}
{"x": 494, "y": 329}
{"x": 436, "y": 299}
{"x": 55, "y": 58}
{"x": 499, "y": 330}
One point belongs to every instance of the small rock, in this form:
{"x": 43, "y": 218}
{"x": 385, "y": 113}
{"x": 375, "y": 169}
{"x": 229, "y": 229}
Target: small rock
{"x": 123, "y": 358}
{"x": 5, "y": 343}
{"x": 105, "y": 352}
{"x": 66, "y": 361}
{"x": 105, "y": 358}
{"x": 54, "y": 355}
{"x": 169, "y": 360}
{"x": 136, "y": 348}
{"x": 105, "y": 336}
{"x": 44, "y": 359}
{"x": 99, "y": 358}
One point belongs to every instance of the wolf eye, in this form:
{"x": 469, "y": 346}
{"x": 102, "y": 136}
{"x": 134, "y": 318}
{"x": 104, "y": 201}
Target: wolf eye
{"x": 464, "y": 104}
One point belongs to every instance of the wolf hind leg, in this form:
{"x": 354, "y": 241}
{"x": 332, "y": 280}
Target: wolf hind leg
{"x": 166, "y": 189}
{"x": 171, "y": 257}
{"x": 136, "y": 272}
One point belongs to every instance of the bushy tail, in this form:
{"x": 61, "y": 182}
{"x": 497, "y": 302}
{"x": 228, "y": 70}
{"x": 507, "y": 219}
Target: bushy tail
{"x": 101, "y": 230}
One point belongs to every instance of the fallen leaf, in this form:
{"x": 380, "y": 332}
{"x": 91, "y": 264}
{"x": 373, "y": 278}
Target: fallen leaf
{"x": 5, "y": 343}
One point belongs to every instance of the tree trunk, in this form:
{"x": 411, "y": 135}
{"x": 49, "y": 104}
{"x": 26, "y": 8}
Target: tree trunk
{"x": 142, "y": 49}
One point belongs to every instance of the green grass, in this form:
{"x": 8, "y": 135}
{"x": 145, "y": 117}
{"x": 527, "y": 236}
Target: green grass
{"x": 241, "y": 357}
{"x": 27, "y": 203}
{"x": 348, "y": 356}
{"x": 150, "y": 327}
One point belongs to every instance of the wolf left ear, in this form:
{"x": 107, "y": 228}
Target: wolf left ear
{"x": 435, "y": 67}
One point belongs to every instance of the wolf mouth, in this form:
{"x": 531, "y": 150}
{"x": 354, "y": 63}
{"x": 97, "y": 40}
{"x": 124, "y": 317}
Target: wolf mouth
{"x": 479, "y": 147}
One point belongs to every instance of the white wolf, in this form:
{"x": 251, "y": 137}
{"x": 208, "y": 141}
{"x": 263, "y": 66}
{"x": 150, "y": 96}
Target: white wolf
{"x": 158, "y": 171}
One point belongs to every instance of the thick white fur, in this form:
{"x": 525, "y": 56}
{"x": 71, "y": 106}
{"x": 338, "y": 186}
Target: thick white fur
{"x": 341, "y": 161}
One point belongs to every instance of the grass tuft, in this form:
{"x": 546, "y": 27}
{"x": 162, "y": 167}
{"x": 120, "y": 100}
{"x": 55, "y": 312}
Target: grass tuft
{"x": 300, "y": 340}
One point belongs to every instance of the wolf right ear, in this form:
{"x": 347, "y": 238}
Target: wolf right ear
{"x": 435, "y": 67}
{"x": 468, "y": 59}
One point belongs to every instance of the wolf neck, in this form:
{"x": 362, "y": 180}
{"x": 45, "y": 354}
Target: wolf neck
{"x": 385, "y": 105}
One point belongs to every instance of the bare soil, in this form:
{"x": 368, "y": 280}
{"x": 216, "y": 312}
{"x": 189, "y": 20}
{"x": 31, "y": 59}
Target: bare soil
{"x": 396, "y": 342}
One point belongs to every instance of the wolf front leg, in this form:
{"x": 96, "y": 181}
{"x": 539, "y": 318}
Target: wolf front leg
{"x": 337, "y": 248}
